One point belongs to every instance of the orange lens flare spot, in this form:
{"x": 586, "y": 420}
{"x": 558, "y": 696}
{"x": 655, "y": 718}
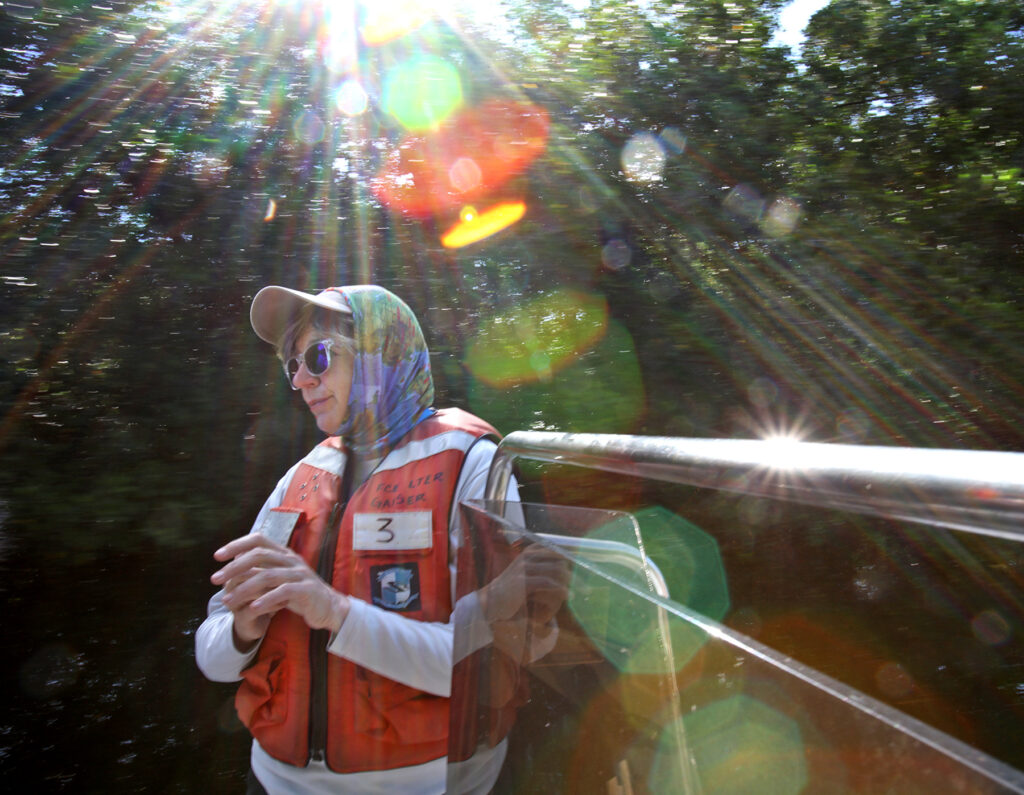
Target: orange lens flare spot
{"x": 473, "y": 227}
{"x": 471, "y": 155}
{"x": 271, "y": 211}
{"x": 465, "y": 175}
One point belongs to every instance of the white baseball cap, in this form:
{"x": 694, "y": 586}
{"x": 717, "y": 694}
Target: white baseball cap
{"x": 274, "y": 309}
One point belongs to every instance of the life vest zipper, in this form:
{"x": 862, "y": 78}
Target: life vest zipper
{"x": 318, "y": 640}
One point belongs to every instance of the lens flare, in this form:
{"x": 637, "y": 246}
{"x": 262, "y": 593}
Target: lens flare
{"x": 745, "y": 202}
{"x": 739, "y": 744}
{"x": 422, "y": 92}
{"x": 673, "y": 140}
{"x": 337, "y": 39}
{"x": 633, "y": 634}
{"x": 689, "y": 559}
{"x": 560, "y": 324}
{"x": 991, "y": 628}
{"x": 471, "y": 156}
{"x": 629, "y": 631}
{"x": 894, "y": 681}
{"x": 643, "y": 158}
{"x": 387, "y": 20}
{"x": 616, "y": 255}
{"x": 309, "y": 128}
{"x": 351, "y": 98}
{"x": 596, "y": 389}
{"x": 465, "y": 175}
{"x": 474, "y": 227}
{"x": 857, "y": 656}
{"x": 781, "y": 217}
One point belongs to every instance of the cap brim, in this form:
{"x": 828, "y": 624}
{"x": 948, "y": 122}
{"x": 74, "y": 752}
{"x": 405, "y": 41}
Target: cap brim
{"x": 275, "y": 308}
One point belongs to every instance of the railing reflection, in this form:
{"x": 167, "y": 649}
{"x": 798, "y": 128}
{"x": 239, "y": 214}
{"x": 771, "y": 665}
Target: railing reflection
{"x": 533, "y": 613}
{"x": 577, "y": 672}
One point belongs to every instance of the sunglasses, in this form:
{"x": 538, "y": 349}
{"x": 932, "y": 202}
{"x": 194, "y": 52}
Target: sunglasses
{"x": 317, "y": 358}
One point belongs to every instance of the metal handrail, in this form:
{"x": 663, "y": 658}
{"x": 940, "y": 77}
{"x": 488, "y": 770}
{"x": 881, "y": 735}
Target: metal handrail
{"x": 975, "y": 491}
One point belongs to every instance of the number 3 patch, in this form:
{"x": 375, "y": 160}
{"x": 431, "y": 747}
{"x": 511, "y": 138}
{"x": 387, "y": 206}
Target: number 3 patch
{"x": 392, "y": 531}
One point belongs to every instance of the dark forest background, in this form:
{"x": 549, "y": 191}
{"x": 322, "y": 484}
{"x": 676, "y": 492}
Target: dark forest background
{"x": 722, "y": 238}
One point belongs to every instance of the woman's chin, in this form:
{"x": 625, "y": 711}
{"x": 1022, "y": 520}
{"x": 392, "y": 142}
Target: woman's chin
{"x": 330, "y": 425}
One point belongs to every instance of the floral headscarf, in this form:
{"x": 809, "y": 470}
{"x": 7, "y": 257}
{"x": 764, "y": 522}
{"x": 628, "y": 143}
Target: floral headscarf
{"x": 392, "y": 388}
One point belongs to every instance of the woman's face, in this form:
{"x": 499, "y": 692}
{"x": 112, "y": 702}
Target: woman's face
{"x": 327, "y": 394}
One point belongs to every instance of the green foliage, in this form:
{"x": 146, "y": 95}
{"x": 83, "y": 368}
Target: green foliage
{"x": 922, "y": 99}
{"x": 797, "y": 243}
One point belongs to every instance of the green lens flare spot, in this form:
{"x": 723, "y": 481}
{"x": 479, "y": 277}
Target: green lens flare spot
{"x": 630, "y": 631}
{"x": 739, "y": 745}
{"x": 422, "y": 93}
{"x": 688, "y": 558}
{"x": 538, "y": 338}
{"x": 595, "y": 388}
{"x": 634, "y": 634}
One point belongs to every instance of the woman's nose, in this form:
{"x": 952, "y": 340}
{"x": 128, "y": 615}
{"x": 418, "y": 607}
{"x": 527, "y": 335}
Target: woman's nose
{"x": 303, "y": 377}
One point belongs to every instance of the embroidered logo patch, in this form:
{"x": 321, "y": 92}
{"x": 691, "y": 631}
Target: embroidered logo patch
{"x": 396, "y": 586}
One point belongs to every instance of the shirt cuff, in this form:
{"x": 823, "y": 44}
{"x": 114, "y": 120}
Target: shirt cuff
{"x": 472, "y": 632}
{"x": 340, "y": 640}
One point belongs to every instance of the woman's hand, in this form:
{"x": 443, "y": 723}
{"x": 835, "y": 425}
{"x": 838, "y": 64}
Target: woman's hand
{"x": 535, "y": 584}
{"x": 262, "y": 577}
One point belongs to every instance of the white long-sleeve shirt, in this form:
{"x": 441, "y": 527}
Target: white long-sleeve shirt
{"x": 415, "y": 653}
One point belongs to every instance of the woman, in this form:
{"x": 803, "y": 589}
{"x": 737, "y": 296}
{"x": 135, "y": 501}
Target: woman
{"x": 335, "y": 609}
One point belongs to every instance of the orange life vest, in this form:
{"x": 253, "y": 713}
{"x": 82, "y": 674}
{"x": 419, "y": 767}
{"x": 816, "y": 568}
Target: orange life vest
{"x": 390, "y": 549}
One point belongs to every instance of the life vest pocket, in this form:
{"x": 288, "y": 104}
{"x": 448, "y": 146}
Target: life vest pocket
{"x": 367, "y": 714}
{"x": 261, "y": 701}
{"x": 398, "y": 713}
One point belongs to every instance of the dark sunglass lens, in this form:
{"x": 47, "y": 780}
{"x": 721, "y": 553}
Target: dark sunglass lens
{"x": 292, "y": 367}
{"x": 317, "y": 358}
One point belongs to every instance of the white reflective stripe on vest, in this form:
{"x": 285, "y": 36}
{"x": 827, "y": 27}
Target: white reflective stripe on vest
{"x": 326, "y": 458}
{"x": 424, "y": 448}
